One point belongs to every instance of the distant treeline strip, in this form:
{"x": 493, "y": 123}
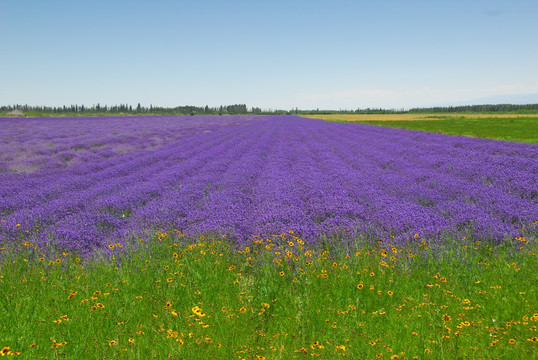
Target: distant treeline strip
{"x": 129, "y": 109}
{"x": 125, "y": 109}
{"x": 438, "y": 109}
{"x": 476, "y": 108}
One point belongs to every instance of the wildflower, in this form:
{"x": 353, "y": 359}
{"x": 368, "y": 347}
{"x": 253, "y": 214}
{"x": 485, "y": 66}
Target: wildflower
{"x": 390, "y": 293}
{"x": 512, "y": 341}
{"x": 131, "y": 341}
{"x": 168, "y": 304}
{"x": 360, "y": 286}
{"x": 112, "y": 343}
{"x": 101, "y": 306}
{"x": 427, "y": 351}
{"x": 4, "y": 351}
{"x": 198, "y": 311}
{"x": 169, "y": 280}
{"x": 281, "y": 273}
{"x": 111, "y": 246}
{"x": 446, "y": 318}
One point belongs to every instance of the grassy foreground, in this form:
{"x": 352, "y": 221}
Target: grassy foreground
{"x": 511, "y": 127}
{"x": 183, "y": 298}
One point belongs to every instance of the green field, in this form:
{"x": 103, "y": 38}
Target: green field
{"x": 277, "y": 298}
{"x": 522, "y": 128}
{"x": 519, "y": 129}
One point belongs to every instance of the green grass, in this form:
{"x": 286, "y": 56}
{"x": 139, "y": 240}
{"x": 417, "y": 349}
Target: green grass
{"x": 524, "y": 129}
{"x": 183, "y": 298}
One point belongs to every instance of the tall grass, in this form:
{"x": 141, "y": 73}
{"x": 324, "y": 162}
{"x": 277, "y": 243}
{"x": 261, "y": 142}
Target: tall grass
{"x": 278, "y": 298}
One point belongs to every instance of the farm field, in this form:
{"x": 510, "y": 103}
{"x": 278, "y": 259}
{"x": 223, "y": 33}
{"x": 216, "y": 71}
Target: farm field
{"x": 412, "y": 117}
{"x": 264, "y": 237}
{"x": 510, "y": 127}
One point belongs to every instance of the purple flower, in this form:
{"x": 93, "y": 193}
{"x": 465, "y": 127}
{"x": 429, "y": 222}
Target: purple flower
{"x": 86, "y": 181}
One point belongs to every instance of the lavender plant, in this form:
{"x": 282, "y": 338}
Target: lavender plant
{"x": 83, "y": 183}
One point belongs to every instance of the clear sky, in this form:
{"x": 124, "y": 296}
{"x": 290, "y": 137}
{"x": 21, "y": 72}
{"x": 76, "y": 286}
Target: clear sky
{"x": 266, "y": 53}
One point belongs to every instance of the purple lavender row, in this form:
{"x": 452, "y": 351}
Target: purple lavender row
{"x": 62, "y": 142}
{"x": 275, "y": 174}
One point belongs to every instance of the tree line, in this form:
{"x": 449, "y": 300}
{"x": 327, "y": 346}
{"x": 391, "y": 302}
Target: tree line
{"x": 477, "y": 108}
{"x": 236, "y": 109}
{"x": 129, "y": 109}
{"x": 439, "y": 109}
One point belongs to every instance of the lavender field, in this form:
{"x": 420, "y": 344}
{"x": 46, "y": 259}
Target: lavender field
{"x": 82, "y": 183}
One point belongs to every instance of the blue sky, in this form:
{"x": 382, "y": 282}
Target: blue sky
{"x": 266, "y": 53}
